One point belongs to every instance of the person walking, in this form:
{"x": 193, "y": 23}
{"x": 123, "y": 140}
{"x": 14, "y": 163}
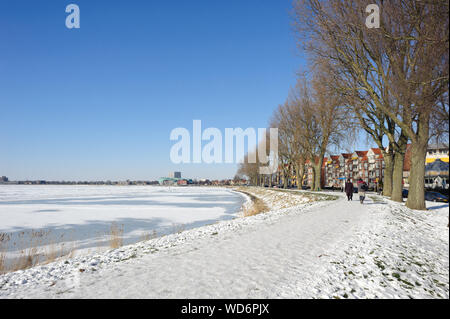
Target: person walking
{"x": 349, "y": 190}
{"x": 362, "y": 188}
{"x": 380, "y": 187}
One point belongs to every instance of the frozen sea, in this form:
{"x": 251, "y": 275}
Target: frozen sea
{"x": 81, "y": 217}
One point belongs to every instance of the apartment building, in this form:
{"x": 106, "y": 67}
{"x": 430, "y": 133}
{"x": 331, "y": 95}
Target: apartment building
{"x": 336, "y": 169}
{"x": 368, "y": 165}
{"x": 437, "y": 151}
{"x": 359, "y": 166}
{"x": 331, "y": 171}
{"x": 375, "y": 167}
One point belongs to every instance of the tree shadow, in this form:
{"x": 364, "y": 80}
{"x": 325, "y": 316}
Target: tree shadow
{"x": 437, "y": 207}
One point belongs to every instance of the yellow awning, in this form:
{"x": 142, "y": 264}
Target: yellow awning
{"x": 431, "y": 160}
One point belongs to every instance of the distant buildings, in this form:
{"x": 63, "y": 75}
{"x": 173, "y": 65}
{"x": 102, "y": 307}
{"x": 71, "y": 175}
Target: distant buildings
{"x": 3, "y": 179}
{"x": 175, "y": 174}
{"x": 437, "y": 168}
{"x": 369, "y": 166}
{"x": 173, "y": 179}
{"x": 167, "y": 181}
{"x": 439, "y": 151}
{"x": 436, "y": 174}
{"x": 182, "y": 182}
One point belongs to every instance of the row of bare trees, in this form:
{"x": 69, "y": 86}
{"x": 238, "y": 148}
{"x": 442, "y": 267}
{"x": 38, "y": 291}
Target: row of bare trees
{"x": 312, "y": 119}
{"x": 392, "y": 81}
{"x": 394, "y": 78}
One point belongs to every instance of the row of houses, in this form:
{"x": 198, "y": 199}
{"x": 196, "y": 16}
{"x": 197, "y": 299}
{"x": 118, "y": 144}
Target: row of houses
{"x": 369, "y": 166}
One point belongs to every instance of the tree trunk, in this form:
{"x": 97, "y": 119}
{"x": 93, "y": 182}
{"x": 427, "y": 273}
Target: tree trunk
{"x": 299, "y": 182}
{"x": 318, "y": 175}
{"x": 313, "y": 180}
{"x": 388, "y": 171}
{"x": 416, "y": 194}
{"x": 397, "y": 177}
{"x": 285, "y": 181}
{"x": 316, "y": 178}
{"x": 419, "y": 145}
{"x": 300, "y": 169}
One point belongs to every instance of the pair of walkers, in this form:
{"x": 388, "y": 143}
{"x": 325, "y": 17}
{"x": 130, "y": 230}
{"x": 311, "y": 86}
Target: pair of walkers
{"x": 362, "y": 188}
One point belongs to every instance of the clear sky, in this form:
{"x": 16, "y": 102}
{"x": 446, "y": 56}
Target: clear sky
{"x": 99, "y": 102}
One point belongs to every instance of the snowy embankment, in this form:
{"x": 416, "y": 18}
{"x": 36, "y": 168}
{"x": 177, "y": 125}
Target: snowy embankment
{"x": 327, "y": 249}
{"x": 277, "y": 199}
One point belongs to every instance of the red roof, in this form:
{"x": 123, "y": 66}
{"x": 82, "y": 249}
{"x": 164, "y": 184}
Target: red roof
{"x": 347, "y": 155}
{"x": 361, "y": 153}
{"x": 376, "y": 151}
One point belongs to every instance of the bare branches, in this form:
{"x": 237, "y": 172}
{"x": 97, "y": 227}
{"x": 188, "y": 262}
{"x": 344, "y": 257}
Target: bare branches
{"x": 394, "y": 78}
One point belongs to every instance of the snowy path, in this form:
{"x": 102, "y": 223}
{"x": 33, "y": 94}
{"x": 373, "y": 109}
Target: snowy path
{"x": 302, "y": 252}
{"x": 262, "y": 263}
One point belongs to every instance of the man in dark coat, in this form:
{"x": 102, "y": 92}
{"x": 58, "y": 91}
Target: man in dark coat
{"x": 349, "y": 190}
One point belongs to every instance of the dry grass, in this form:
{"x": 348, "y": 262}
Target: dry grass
{"x": 2, "y": 262}
{"x": 149, "y": 236}
{"x": 257, "y": 206}
{"x": 116, "y": 236}
{"x": 28, "y": 258}
{"x": 39, "y": 250}
{"x": 178, "y": 228}
{"x": 4, "y": 239}
{"x": 31, "y": 256}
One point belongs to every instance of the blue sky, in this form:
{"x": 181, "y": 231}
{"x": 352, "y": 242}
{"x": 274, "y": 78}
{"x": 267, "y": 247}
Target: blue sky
{"x": 99, "y": 102}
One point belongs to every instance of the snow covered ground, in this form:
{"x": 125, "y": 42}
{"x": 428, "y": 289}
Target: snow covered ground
{"x": 277, "y": 199}
{"x": 80, "y": 218}
{"x": 326, "y": 249}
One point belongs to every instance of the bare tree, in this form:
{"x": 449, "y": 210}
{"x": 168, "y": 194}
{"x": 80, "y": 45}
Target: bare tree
{"x": 323, "y": 119}
{"x": 289, "y": 150}
{"x": 379, "y": 126}
{"x": 249, "y": 169}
